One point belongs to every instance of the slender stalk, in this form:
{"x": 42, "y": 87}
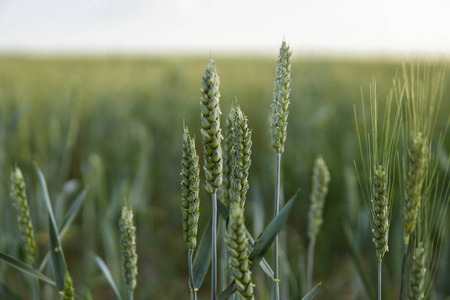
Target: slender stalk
{"x": 214, "y": 246}
{"x": 276, "y": 286}
{"x": 379, "y": 278}
{"x": 311, "y": 247}
{"x": 35, "y": 289}
{"x": 191, "y": 275}
{"x": 130, "y": 294}
{"x": 402, "y": 280}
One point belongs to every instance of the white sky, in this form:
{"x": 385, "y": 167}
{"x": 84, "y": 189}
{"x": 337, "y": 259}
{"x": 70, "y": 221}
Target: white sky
{"x": 349, "y": 27}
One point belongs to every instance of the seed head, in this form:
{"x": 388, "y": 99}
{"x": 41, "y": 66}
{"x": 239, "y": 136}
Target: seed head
{"x": 416, "y": 177}
{"x": 210, "y": 117}
{"x": 380, "y": 212}
{"x": 236, "y": 240}
{"x": 19, "y": 196}
{"x": 240, "y": 158}
{"x": 418, "y": 271}
{"x": 190, "y": 201}
{"x": 320, "y": 179}
{"x": 68, "y": 293}
{"x": 281, "y": 98}
{"x": 128, "y": 248}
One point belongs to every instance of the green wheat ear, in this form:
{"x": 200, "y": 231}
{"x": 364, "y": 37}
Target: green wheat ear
{"x": 418, "y": 271}
{"x": 320, "y": 179}
{"x": 68, "y": 293}
{"x": 236, "y": 240}
{"x": 380, "y": 211}
{"x": 210, "y": 117}
{"x": 19, "y": 196}
{"x": 281, "y": 98}
{"x": 416, "y": 176}
{"x": 190, "y": 187}
{"x": 241, "y": 151}
{"x": 226, "y": 155}
{"x": 128, "y": 248}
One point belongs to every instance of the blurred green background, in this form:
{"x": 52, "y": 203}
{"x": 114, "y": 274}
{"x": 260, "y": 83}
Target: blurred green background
{"x": 114, "y": 125}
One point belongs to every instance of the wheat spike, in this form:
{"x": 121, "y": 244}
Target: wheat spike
{"x": 190, "y": 201}
{"x": 128, "y": 248}
{"x": 19, "y": 196}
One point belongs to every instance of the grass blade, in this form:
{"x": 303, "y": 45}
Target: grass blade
{"x": 228, "y": 292}
{"x": 267, "y": 237}
{"x": 65, "y": 224}
{"x": 102, "y": 266}
{"x": 312, "y": 292}
{"x": 203, "y": 256}
{"x": 357, "y": 261}
{"x": 18, "y": 265}
{"x": 59, "y": 263}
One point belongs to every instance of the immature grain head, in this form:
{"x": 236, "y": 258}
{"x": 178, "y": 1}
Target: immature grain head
{"x": 240, "y": 158}
{"x": 19, "y": 196}
{"x": 227, "y": 145}
{"x": 281, "y": 98}
{"x": 418, "y": 271}
{"x": 128, "y": 248}
{"x": 417, "y": 154}
{"x": 236, "y": 240}
{"x": 380, "y": 211}
{"x": 190, "y": 201}
{"x": 210, "y": 116}
{"x": 69, "y": 292}
{"x": 320, "y": 179}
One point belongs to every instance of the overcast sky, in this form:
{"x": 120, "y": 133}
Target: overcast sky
{"x": 349, "y": 27}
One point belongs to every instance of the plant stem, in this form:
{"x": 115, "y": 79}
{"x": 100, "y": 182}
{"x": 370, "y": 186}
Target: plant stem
{"x": 276, "y": 286}
{"x": 191, "y": 275}
{"x": 214, "y": 246}
{"x": 402, "y": 280}
{"x": 379, "y": 278}
{"x": 312, "y": 244}
{"x": 130, "y": 294}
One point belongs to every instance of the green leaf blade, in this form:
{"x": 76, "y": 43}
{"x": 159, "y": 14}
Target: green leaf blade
{"x": 102, "y": 266}
{"x": 203, "y": 256}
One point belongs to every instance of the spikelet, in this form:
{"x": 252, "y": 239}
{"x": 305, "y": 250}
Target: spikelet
{"x": 236, "y": 240}
{"x": 281, "y": 98}
{"x": 68, "y": 293}
{"x": 189, "y": 190}
{"x": 416, "y": 175}
{"x": 418, "y": 271}
{"x": 380, "y": 212}
{"x": 240, "y": 158}
{"x": 210, "y": 117}
{"x": 19, "y": 196}
{"x": 128, "y": 248}
{"x": 227, "y": 144}
{"x": 321, "y": 178}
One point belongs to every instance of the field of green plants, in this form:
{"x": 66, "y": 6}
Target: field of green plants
{"x": 112, "y": 128}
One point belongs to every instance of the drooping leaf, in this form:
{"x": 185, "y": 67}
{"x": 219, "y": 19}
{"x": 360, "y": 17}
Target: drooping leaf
{"x": 27, "y": 269}
{"x": 57, "y": 255}
{"x": 203, "y": 256}
{"x": 312, "y": 292}
{"x": 102, "y": 266}
{"x": 228, "y": 292}
{"x": 357, "y": 261}
{"x": 267, "y": 237}
{"x": 65, "y": 224}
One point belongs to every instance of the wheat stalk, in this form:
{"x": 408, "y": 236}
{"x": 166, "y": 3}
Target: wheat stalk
{"x": 240, "y": 158}
{"x": 190, "y": 201}
{"x": 18, "y": 194}
{"x": 236, "y": 239}
{"x": 210, "y": 117}
{"x": 280, "y": 113}
{"x": 128, "y": 249}
{"x": 320, "y": 179}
